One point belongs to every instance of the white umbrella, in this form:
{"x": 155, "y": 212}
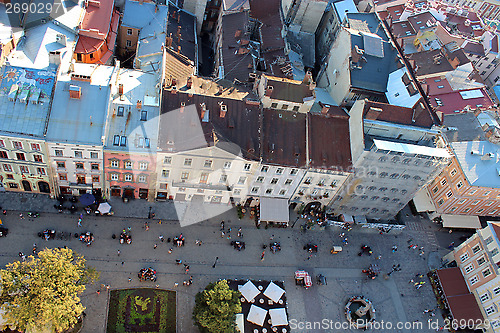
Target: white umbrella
{"x": 104, "y": 208}
{"x": 257, "y": 315}
{"x": 248, "y": 290}
{"x": 274, "y": 292}
{"x": 278, "y": 317}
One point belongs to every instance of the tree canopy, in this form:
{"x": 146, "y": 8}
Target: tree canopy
{"x": 216, "y": 308}
{"x": 44, "y": 291}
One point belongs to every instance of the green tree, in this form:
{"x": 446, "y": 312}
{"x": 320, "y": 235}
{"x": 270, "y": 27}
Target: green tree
{"x": 44, "y": 291}
{"x": 216, "y": 308}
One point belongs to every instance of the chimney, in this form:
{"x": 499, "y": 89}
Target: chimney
{"x": 373, "y": 113}
{"x": 489, "y": 133}
{"x": 477, "y": 111}
{"x": 312, "y": 85}
{"x": 182, "y": 107}
{"x": 221, "y": 89}
{"x": 269, "y": 91}
{"x": 75, "y": 92}
{"x": 189, "y": 83}
{"x": 174, "y": 81}
{"x": 203, "y": 109}
{"x": 55, "y": 57}
{"x": 174, "y": 90}
{"x": 324, "y": 108}
{"x": 120, "y": 89}
{"x": 223, "y": 110}
{"x": 179, "y": 49}
{"x": 307, "y": 78}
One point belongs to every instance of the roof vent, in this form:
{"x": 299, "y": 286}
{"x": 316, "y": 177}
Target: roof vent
{"x": 75, "y": 92}
{"x": 269, "y": 91}
{"x": 475, "y": 152}
{"x": 223, "y": 109}
{"x": 120, "y": 89}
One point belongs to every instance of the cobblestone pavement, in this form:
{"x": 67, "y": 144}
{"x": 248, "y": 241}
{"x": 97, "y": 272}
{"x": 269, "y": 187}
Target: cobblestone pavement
{"x": 395, "y": 299}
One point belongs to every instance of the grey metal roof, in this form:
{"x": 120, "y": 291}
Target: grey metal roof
{"x": 462, "y": 127}
{"x": 81, "y": 120}
{"x": 137, "y": 86}
{"x": 19, "y": 89}
{"x": 479, "y": 161}
{"x": 367, "y": 22}
{"x": 137, "y": 15}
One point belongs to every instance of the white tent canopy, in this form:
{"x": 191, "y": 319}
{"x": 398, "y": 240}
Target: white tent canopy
{"x": 461, "y": 221}
{"x": 257, "y": 315}
{"x": 248, "y": 290}
{"x": 104, "y": 208}
{"x": 274, "y": 210}
{"x": 274, "y": 292}
{"x": 278, "y": 317}
{"x": 423, "y": 201}
{"x": 240, "y": 322}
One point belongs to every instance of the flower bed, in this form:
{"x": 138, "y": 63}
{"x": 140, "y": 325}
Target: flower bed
{"x": 142, "y": 310}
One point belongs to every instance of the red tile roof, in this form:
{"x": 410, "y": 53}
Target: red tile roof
{"x": 452, "y": 281}
{"x": 453, "y": 101}
{"x": 400, "y": 115}
{"x": 98, "y": 17}
{"x": 464, "y": 308}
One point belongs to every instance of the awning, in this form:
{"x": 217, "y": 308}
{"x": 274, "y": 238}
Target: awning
{"x": 278, "y": 317}
{"x": 240, "y": 322}
{"x": 461, "y": 221}
{"x": 248, "y": 290}
{"x": 274, "y": 292}
{"x": 423, "y": 201}
{"x": 462, "y": 303}
{"x": 274, "y": 210}
{"x": 257, "y": 315}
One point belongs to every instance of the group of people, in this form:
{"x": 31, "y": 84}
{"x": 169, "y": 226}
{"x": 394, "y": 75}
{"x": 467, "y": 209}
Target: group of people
{"x": 147, "y": 274}
{"x": 179, "y": 241}
{"x": 125, "y": 237}
{"x": 371, "y": 272}
{"x": 87, "y": 238}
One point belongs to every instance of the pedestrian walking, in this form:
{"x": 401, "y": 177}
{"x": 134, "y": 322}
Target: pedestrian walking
{"x": 98, "y": 292}
{"x": 118, "y": 252}
{"x": 222, "y": 234}
{"x": 170, "y": 250}
{"x": 80, "y": 222}
{"x": 129, "y": 280}
{"x": 129, "y": 229}
{"x": 222, "y": 225}
{"x": 215, "y": 263}
{"x": 187, "y": 268}
{"x": 240, "y": 235}
{"x": 155, "y": 246}
{"x": 4, "y": 212}
{"x": 159, "y": 221}
{"x": 107, "y": 287}
{"x": 394, "y": 248}
{"x": 272, "y": 237}
{"x": 176, "y": 284}
{"x": 262, "y": 255}
{"x": 21, "y": 216}
{"x": 161, "y": 238}
{"x": 451, "y": 246}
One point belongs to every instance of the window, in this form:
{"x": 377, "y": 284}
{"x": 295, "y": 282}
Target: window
{"x": 242, "y": 180}
{"x": 63, "y": 176}
{"x": 469, "y": 268}
{"x": 38, "y": 158}
{"x": 20, "y": 156}
{"x": 475, "y": 202}
{"x": 237, "y": 192}
{"x": 284, "y": 107}
{"x": 10, "y": 176}
{"x": 78, "y": 154}
{"x": 61, "y": 165}
{"x": 443, "y": 182}
{"x": 293, "y": 172}
{"x": 288, "y": 182}
{"x": 116, "y": 140}
{"x": 13, "y": 185}
{"x": 279, "y": 171}
{"x": 95, "y": 179}
{"x": 129, "y": 32}
{"x": 7, "y": 168}
{"x": 24, "y": 169}
{"x": 120, "y": 111}
{"x": 472, "y": 192}
{"x": 486, "y": 272}
{"x": 204, "y": 178}
{"x": 79, "y": 165}
{"x": 435, "y": 189}
{"x": 167, "y": 160}
{"x": 114, "y": 176}
{"x": 40, "y": 171}
{"x": 296, "y": 108}
{"x": 480, "y": 211}
{"x": 264, "y": 169}
{"x": 449, "y": 194}
{"x": 143, "y": 166}
{"x": 308, "y": 180}
{"x": 188, "y": 161}
{"x": 123, "y": 141}
{"x": 464, "y": 257}
{"x": 484, "y": 297}
{"x": 223, "y": 179}
{"x": 165, "y": 173}
{"x": 474, "y": 279}
{"x": 453, "y": 172}
{"x": 274, "y": 181}
{"x": 440, "y": 87}
{"x": 207, "y": 164}
{"x": 460, "y": 184}
{"x": 260, "y": 179}
{"x": 466, "y": 210}
{"x": 489, "y": 310}
{"x": 115, "y": 164}
{"x": 274, "y": 105}
{"x": 3, "y": 154}
{"x": 462, "y": 201}
{"x": 487, "y": 193}
{"x": 227, "y": 165}
{"x": 94, "y": 155}
{"x": 185, "y": 175}
{"x": 496, "y": 291}
{"x": 129, "y": 43}
{"x": 481, "y": 261}
{"x": 17, "y": 144}
{"x": 282, "y": 192}
{"x": 128, "y": 177}
{"x": 35, "y": 147}
{"x": 440, "y": 202}
{"x": 494, "y": 252}
{"x": 128, "y": 164}
{"x": 254, "y": 190}
{"x": 269, "y": 191}
{"x": 488, "y": 240}
{"x": 247, "y": 167}
{"x": 476, "y": 249}
{"x": 144, "y": 115}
